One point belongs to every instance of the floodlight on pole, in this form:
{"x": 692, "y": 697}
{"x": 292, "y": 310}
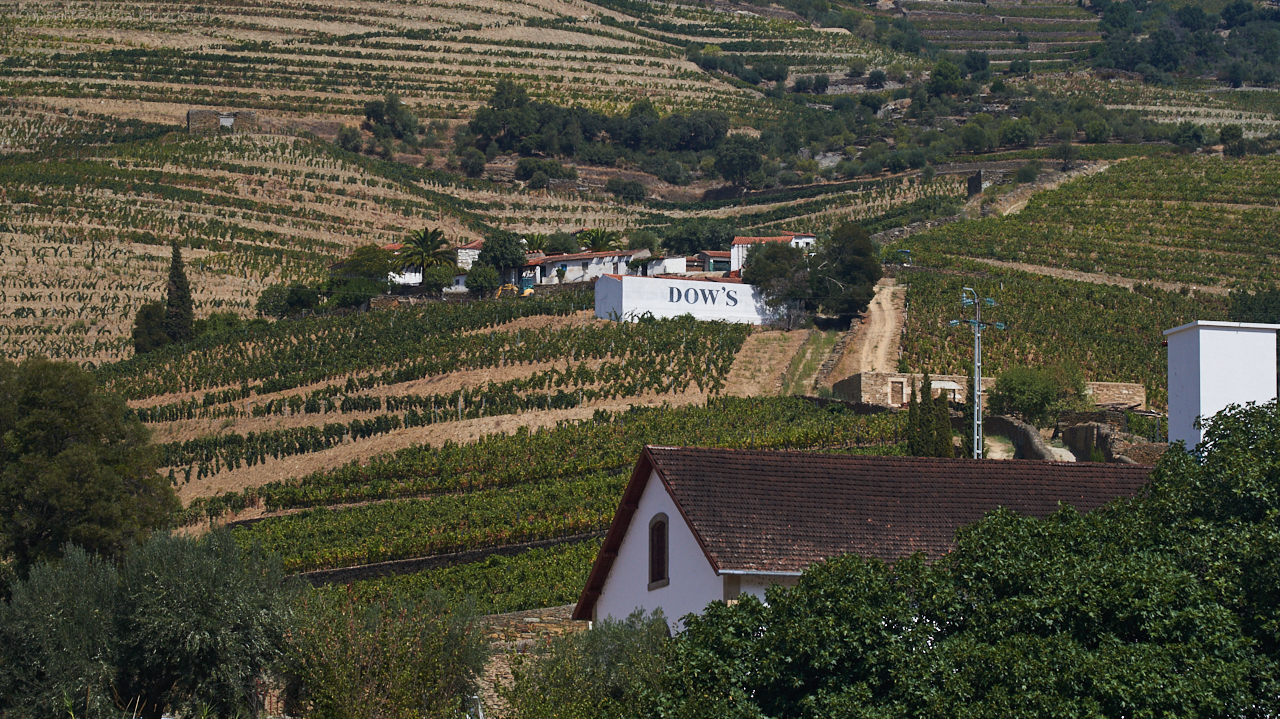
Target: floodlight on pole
{"x": 978, "y": 325}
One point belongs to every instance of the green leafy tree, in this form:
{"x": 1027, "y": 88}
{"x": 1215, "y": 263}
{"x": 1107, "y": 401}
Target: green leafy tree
{"x": 781, "y": 272}
{"x": 179, "y": 312}
{"x": 273, "y": 302}
{"x": 562, "y": 243}
{"x": 503, "y": 251}
{"x": 483, "y": 280}
{"x": 182, "y": 625}
{"x": 738, "y": 157}
{"x": 472, "y": 162}
{"x": 1066, "y": 152}
{"x": 148, "y": 328}
{"x": 1097, "y": 131}
{"x": 435, "y": 279}
{"x": 1037, "y": 395}
{"x": 360, "y": 277}
{"x": 844, "y": 272}
{"x": 73, "y": 466}
{"x": 945, "y": 79}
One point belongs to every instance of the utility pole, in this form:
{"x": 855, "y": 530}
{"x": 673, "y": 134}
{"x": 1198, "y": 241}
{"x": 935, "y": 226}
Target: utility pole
{"x": 978, "y": 325}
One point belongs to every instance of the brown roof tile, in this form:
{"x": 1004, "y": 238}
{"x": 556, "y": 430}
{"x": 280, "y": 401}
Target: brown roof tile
{"x": 759, "y": 511}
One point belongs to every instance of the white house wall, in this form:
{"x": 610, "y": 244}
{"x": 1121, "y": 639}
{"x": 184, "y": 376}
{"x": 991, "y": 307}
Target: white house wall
{"x": 628, "y": 298}
{"x": 694, "y": 584}
{"x": 1213, "y": 364}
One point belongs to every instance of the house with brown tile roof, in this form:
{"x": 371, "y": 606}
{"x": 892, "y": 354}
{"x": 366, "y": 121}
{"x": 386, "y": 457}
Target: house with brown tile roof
{"x": 700, "y": 525}
{"x": 742, "y": 245}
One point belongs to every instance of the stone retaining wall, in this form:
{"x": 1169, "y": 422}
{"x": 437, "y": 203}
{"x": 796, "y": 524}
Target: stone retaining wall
{"x": 521, "y": 630}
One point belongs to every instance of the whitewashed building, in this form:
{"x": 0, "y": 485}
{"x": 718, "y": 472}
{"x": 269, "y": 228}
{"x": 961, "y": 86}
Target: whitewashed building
{"x": 581, "y": 266}
{"x": 742, "y": 245}
{"x": 628, "y": 298}
{"x": 1214, "y": 364}
{"x": 697, "y": 526}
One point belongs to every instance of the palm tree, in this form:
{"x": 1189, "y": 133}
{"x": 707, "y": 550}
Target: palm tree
{"x": 535, "y": 242}
{"x": 600, "y": 240}
{"x": 425, "y": 248}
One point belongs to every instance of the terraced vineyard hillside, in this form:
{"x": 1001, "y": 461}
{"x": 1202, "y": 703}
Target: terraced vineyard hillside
{"x": 1192, "y": 220}
{"x": 1046, "y": 34}
{"x": 326, "y": 60}
{"x": 1090, "y": 274}
{"x": 417, "y": 434}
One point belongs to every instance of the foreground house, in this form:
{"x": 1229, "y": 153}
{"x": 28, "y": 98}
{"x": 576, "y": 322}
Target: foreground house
{"x": 700, "y": 525}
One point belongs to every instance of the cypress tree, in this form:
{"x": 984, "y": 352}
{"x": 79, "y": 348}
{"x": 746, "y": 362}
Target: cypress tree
{"x": 179, "y": 316}
{"x": 942, "y": 446}
{"x": 913, "y": 425}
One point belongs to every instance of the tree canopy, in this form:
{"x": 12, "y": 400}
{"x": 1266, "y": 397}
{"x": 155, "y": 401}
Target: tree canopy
{"x": 179, "y": 624}
{"x": 502, "y": 250}
{"x": 73, "y": 466}
{"x": 845, "y": 271}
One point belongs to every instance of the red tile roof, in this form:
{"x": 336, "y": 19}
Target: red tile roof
{"x": 476, "y": 245}
{"x": 757, "y": 511}
{"x": 716, "y": 253}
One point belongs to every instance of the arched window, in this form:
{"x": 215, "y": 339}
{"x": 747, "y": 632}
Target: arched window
{"x": 658, "y": 576}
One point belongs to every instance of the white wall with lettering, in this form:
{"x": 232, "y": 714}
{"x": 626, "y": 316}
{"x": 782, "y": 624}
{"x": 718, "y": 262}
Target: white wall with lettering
{"x": 628, "y": 298}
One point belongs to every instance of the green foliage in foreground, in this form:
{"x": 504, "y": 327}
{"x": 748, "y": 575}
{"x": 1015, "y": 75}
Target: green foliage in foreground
{"x": 1161, "y": 605}
{"x": 606, "y": 672}
{"x": 74, "y": 467}
{"x": 180, "y": 624}
{"x": 395, "y": 659}
{"x": 544, "y": 577}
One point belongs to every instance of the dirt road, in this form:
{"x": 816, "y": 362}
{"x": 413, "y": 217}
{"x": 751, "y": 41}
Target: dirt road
{"x": 876, "y": 349}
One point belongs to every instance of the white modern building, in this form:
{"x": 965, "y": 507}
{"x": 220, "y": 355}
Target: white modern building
{"x": 742, "y": 245}
{"x": 1214, "y": 364}
{"x": 697, "y": 526}
{"x": 628, "y": 298}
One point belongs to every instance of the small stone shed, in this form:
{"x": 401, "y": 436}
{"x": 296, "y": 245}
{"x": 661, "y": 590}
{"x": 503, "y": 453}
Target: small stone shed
{"x": 202, "y": 121}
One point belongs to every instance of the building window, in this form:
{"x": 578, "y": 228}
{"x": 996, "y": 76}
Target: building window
{"x": 897, "y": 392}
{"x": 658, "y": 576}
{"x": 585, "y": 265}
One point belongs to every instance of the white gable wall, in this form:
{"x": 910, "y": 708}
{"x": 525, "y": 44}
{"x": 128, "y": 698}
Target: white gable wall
{"x": 693, "y": 584}
{"x": 1213, "y": 364}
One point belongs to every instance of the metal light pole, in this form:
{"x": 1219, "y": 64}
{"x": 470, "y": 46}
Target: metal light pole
{"x": 978, "y": 325}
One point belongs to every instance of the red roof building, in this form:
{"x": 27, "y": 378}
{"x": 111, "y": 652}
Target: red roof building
{"x": 742, "y": 245}
{"x": 700, "y": 525}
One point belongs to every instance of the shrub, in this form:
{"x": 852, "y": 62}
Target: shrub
{"x": 527, "y": 167}
{"x": 187, "y": 626}
{"x": 394, "y": 658}
{"x": 539, "y": 180}
{"x": 626, "y": 190}
{"x": 472, "y": 162}
{"x": 609, "y": 671}
{"x": 483, "y": 280}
